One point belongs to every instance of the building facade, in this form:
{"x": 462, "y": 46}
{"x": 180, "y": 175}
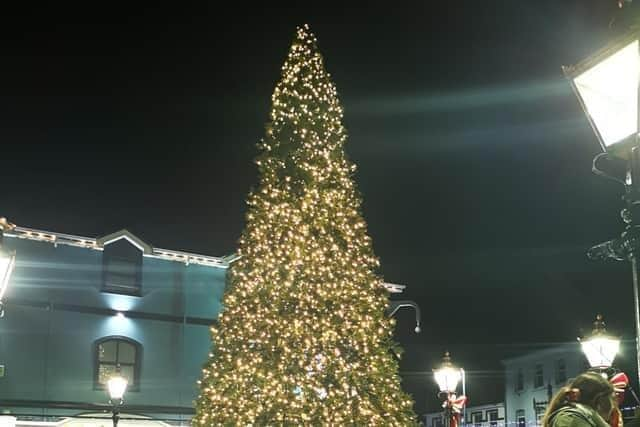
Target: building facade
{"x": 531, "y": 380}
{"x": 489, "y": 415}
{"x": 79, "y": 308}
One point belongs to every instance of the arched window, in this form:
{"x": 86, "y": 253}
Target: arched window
{"x": 111, "y": 352}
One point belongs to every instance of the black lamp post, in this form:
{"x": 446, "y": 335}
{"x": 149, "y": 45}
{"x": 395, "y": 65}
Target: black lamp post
{"x": 448, "y": 376}
{"x": 607, "y": 86}
{"x": 116, "y": 386}
{"x": 7, "y": 262}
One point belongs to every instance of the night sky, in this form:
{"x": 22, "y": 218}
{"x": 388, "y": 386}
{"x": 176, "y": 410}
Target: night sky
{"x": 474, "y": 157}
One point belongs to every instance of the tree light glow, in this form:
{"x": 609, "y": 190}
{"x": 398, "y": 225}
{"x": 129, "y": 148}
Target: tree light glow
{"x": 303, "y": 337}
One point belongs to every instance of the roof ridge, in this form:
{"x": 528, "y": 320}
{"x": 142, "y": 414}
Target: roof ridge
{"x": 98, "y": 244}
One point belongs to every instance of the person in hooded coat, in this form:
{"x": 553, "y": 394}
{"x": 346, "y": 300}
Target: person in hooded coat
{"x": 587, "y": 401}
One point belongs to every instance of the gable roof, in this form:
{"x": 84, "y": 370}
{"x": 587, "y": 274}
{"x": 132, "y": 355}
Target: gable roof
{"x": 126, "y": 235}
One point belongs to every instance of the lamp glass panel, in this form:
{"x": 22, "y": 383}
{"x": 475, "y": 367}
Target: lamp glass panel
{"x": 7, "y": 262}
{"x": 117, "y": 386}
{"x": 600, "y": 351}
{"x": 447, "y": 378}
{"x": 609, "y": 91}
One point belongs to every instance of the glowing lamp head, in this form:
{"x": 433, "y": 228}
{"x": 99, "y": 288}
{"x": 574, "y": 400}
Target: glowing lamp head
{"x": 116, "y": 385}
{"x": 607, "y": 86}
{"x": 7, "y": 259}
{"x": 447, "y": 376}
{"x": 7, "y": 263}
{"x": 599, "y": 347}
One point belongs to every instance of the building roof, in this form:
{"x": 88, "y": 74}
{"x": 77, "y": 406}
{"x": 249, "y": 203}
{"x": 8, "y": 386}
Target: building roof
{"x": 99, "y": 243}
{"x": 147, "y": 250}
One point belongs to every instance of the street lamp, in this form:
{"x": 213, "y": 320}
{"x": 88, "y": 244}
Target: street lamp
{"x": 7, "y": 261}
{"x": 600, "y": 347}
{"x": 607, "y": 86}
{"x": 447, "y": 377}
{"x": 116, "y": 386}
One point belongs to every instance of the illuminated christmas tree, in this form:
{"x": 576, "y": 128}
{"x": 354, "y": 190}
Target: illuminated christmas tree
{"x": 303, "y": 337}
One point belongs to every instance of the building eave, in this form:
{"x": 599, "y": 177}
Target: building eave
{"x": 97, "y": 244}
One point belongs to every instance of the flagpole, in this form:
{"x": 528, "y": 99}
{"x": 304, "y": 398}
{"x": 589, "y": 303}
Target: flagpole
{"x": 464, "y": 393}
{"x": 634, "y": 268}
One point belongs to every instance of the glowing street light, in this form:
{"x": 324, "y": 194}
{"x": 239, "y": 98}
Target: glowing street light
{"x": 7, "y": 262}
{"x": 607, "y": 85}
{"x": 447, "y": 377}
{"x": 116, "y": 386}
{"x": 600, "y": 347}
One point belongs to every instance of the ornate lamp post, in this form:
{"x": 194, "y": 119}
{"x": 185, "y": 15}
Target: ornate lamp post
{"x": 607, "y": 87}
{"x": 116, "y": 386}
{"x": 7, "y": 262}
{"x": 600, "y": 347}
{"x": 447, "y": 377}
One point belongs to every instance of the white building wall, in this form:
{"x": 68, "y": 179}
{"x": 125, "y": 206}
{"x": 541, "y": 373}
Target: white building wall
{"x": 475, "y": 416}
{"x": 519, "y": 401}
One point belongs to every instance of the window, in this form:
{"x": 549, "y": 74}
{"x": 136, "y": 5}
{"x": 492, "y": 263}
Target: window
{"x": 112, "y": 352}
{"x": 520, "y": 420}
{"x": 519, "y": 380}
{"x": 561, "y": 371}
{"x": 540, "y": 410}
{"x": 538, "y": 376}
{"x": 436, "y": 422}
{"x": 121, "y": 268}
{"x": 492, "y": 415}
{"x": 476, "y": 419}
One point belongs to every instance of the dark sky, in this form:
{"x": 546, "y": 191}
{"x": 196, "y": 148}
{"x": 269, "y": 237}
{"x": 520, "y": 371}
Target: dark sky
{"x": 473, "y": 155}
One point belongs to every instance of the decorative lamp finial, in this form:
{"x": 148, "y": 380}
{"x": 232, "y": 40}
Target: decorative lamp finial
{"x": 599, "y": 326}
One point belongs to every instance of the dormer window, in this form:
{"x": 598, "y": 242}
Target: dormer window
{"x": 122, "y": 268}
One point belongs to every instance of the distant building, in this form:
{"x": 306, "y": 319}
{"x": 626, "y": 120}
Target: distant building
{"x": 531, "y": 379}
{"x": 489, "y": 415}
{"x": 77, "y": 307}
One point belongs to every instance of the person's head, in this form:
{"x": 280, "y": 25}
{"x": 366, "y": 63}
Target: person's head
{"x": 590, "y": 389}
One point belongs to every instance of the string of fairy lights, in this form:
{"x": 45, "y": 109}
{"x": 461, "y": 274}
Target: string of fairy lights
{"x": 303, "y": 337}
